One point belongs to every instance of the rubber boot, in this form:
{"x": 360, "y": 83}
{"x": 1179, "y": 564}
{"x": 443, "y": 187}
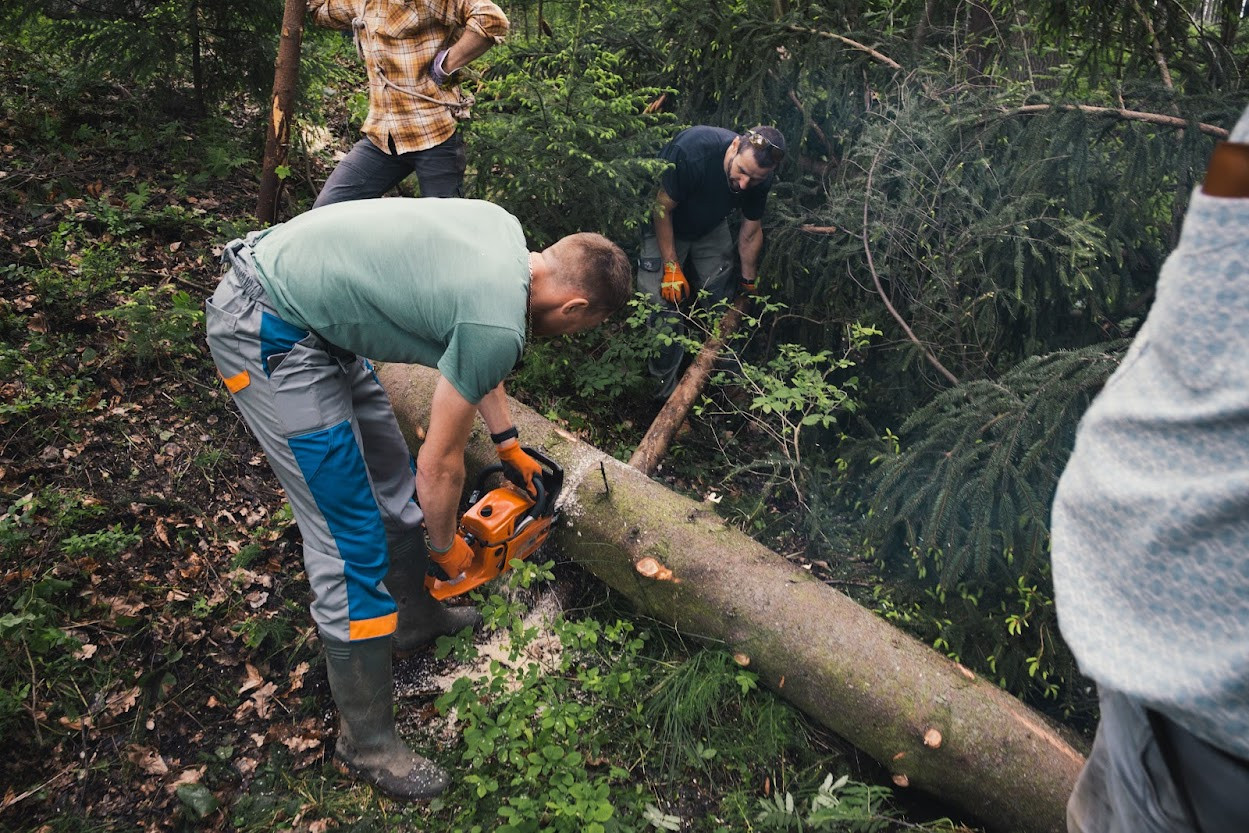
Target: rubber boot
{"x": 422, "y": 618}
{"x": 665, "y": 365}
{"x": 368, "y": 747}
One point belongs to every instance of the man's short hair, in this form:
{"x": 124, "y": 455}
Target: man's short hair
{"x": 597, "y": 267}
{"x": 766, "y": 143}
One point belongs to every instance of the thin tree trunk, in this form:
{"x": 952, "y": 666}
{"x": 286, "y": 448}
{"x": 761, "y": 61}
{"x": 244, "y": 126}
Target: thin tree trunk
{"x": 934, "y": 724}
{"x": 285, "y": 81}
{"x": 197, "y": 58}
{"x": 654, "y": 445}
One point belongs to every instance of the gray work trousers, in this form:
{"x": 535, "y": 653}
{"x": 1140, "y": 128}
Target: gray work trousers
{"x": 1146, "y": 774}
{"x": 709, "y": 266}
{"x": 330, "y": 434}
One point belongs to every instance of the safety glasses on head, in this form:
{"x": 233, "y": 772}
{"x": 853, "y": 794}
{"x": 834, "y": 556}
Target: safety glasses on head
{"x": 774, "y": 152}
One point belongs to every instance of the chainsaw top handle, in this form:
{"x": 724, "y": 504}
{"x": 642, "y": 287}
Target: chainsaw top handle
{"x": 547, "y": 486}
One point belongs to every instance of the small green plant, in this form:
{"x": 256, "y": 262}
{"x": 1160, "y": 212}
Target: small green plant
{"x": 105, "y": 544}
{"x": 158, "y": 323}
{"x": 589, "y": 382}
{"x": 838, "y": 805}
{"x": 790, "y": 392}
{"x": 37, "y": 666}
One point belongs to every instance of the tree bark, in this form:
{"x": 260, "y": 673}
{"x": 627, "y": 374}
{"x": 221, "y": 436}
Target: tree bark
{"x": 934, "y": 724}
{"x": 285, "y": 81}
{"x": 654, "y": 444}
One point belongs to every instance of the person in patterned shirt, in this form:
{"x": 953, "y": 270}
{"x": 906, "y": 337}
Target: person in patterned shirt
{"x": 411, "y": 54}
{"x": 1150, "y": 540}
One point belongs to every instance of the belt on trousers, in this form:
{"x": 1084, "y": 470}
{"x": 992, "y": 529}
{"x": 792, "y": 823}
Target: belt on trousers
{"x": 1228, "y": 172}
{"x": 238, "y": 256}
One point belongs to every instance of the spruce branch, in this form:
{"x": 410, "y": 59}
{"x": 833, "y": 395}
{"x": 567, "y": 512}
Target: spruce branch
{"x": 1129, "y": 115}
{"x": 854, "y": 44}
{"x": 880, "y": 290}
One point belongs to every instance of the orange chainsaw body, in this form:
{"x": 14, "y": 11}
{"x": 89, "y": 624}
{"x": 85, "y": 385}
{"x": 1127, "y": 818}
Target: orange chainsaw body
{"x": 504, "y": 524}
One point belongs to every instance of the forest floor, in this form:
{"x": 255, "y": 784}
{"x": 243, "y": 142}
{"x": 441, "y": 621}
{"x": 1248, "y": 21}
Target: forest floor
{"x": 161, "y": 670}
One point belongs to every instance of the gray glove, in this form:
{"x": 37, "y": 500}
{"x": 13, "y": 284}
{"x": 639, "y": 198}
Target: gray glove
{"x": 436, "y": 71}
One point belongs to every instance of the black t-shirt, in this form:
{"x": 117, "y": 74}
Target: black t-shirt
{"x": 699, "y": 186}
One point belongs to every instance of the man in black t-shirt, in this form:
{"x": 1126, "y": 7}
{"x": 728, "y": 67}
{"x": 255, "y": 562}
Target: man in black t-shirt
{"x": 714, "y": 172}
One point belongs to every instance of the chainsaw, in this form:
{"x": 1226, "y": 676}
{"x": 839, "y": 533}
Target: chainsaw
{"x": 503, "y": 524}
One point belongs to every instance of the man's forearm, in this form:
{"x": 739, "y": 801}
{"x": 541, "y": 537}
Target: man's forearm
{"x": 332, "y": 14}
{"x": 665, "y": 238}
{"x": 749, "y": 247}
{"x": 469, "y": 47}
{"x": 494, "y": 410}
{"x": 438, "y": 487}
{"x": 440, "y": 461}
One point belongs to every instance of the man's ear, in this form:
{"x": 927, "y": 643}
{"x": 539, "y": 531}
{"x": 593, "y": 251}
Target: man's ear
{"x": 574, "y": 306}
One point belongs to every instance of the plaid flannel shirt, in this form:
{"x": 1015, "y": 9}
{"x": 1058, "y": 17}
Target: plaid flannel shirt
{"x": 398, "y": 39}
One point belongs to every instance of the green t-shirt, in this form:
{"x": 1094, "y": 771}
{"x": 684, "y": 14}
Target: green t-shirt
{"x": 438, "y": 282}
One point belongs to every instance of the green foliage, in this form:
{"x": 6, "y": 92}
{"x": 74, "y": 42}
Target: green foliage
{"x": 697, "y": 710}
{"x": 960, "y": 513}
{"x": 107, "y": 543}
{"x": 198, "y": 50}
{"x": 1120, "y": 40}
{"x": 792, "y": 391}
{"x": 36, "y": 651}
{"x": 159, "y": 324}
{"x": 591, "y": 381}
{"x": 837, "y": 806}
{"x": 528, "y": 731}
{"x": 971, "y": 486}
{"x": 563, "y": 139}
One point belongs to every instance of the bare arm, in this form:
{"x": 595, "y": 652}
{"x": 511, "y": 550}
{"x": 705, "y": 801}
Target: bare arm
{"x": 440, "y": 461}
{"x": 749, "y": 245}
{"x": 495, "y": 411}
{"x": 661, "y": 218}
{"x": 470, "y": 45}
{"x": 484, "y": 25}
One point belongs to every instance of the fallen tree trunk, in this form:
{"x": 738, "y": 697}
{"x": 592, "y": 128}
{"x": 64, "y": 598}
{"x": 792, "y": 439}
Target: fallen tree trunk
{"x": 654, "y": 444}
{"x": 934, "y": 724}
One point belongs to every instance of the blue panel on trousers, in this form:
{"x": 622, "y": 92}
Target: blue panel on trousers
{"x": 277, "y": 338}
{"x": 334, "y": 469}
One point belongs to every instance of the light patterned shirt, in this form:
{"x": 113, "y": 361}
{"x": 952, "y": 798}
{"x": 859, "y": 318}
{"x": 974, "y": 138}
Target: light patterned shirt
{"x": 398, "y": 39}
{"x": 1151, "y": 519}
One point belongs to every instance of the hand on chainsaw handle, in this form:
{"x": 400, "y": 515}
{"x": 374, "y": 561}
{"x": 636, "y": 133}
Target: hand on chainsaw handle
{"x": 674, "y": 287}
{"x": 514, "y": 457}
{"x": 455, "y": 560}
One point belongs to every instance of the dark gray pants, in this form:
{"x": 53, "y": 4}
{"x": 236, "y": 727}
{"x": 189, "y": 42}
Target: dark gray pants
{"x": 1146, "y": 774}
{"x": 712, "y": 262}
{"x": 367, "y": 172}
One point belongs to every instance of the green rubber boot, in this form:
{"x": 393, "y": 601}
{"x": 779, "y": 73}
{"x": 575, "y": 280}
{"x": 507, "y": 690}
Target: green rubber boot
{"x": 422, "y": 618}
{"x": 368, "y": 746}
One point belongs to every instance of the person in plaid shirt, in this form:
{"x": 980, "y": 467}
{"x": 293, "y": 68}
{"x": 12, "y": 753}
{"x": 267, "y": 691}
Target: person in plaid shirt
{"x": 411, "y": 53}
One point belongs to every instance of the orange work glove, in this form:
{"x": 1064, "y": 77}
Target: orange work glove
{"x": 455, "y": 560}
{"x": 514, "y": 457}
{"x": 674, "y": 288}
